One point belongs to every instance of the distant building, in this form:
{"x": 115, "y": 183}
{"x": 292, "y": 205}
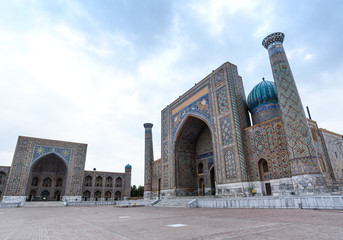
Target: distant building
{"x": 50, "y": 170}
{"x": 210, "y": 147}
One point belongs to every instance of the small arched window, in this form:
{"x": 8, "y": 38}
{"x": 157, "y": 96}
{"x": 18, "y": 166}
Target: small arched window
{"x": 265, "y": 166}
{"x": 47, "y": 182}
{"x": 2, "y": 178}
{"x": 34, "y": 182}
{"x": 200, "y": 168}
{"x": 86, "y": 195}
{"x": 88, "y": 181}
{"x": 108, "y": 195}
{"x": 109, "y": 181}
{"x": 117, "y": 195}
{"x": 119, "y": 182}
{"x": 97, "y": 195}
{"x": 59, "y": 182}
{"x": 98, "y": 181}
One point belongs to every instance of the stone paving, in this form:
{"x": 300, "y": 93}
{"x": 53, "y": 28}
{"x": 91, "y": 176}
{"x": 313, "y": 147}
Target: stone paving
{"x": 108, "y": 222}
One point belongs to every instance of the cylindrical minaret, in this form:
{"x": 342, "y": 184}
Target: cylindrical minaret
{"x": 302, "y": 154}
{"x": 149, "y": 158}
{"x": 127, "y": 190}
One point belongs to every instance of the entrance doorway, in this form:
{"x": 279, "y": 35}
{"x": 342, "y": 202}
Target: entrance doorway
{"x": 202, "y": 187}
{"x": 47, "y": 179}
{"x": 264, "y": 176}
{"x": 193, "y": 142}
{"x": 213, "y": 182}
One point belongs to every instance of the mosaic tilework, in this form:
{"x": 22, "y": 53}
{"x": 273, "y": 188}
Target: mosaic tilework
{"x": 241, "y": 99}
{"x": 186, "y": 171}
{"x": 199, "y": 107}
{"x": 40, "y": 151}
{"x": 259, "y": 142}
{"x": 284, "y": 164}
{"x": 149, "y": 158}
{"x": 223, "y": 105}
{"x": 219, "y": 77}
{"x": 165, "y": 176}
{"x": 226, "y": 130}
{"x": 165, "y": 152}
{"x": 265, "y": 113}
{"x": 237, "y": 124}
{"x": 274, "y": 165}
{"x": 299, "y": 142}
{"x": 280, "y": 136}
{"x": 270, "y": 138}
{"x": 266, "y": 136}
{"x": 30, "y": 150}
{"x": 165, "y": 130}
{"x": 230, "y": 164}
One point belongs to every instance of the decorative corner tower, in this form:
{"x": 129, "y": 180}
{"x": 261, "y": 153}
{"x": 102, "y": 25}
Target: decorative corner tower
{"x": 149, "y": 158}
{"x": 306, "y": 174}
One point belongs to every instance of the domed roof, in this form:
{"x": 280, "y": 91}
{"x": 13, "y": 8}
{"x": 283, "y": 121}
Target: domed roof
{"x": 128, "y": 166}
{"x": 262, "y": 94}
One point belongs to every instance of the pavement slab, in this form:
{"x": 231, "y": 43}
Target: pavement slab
{"x": 108, "y": 222}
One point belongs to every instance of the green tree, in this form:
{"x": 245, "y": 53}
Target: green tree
{"x": 134, "y": 191}
{"x": 140, "y": 191}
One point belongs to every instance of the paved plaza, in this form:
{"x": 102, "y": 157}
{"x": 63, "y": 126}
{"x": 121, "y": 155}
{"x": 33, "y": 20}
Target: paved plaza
{"x": 108, "y": 222}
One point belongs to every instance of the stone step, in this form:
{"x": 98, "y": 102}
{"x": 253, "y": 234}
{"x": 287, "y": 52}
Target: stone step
{"x": 44, "y": 204}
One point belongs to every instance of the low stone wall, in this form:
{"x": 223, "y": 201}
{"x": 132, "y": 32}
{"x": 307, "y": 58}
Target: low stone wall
{"x": 10, "y": 205}
{"x": 99, "y": 203}
{"x": 306, "y": 202}
{"x": 90, "y": 203}
{"x": 135, "y": 202}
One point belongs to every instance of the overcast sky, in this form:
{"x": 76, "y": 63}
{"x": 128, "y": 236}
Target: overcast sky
{"x": 95, "y": 71}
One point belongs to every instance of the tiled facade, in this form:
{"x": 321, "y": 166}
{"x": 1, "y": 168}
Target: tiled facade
{"x": 277, "y": 155}
{"x": 53, "y": 170}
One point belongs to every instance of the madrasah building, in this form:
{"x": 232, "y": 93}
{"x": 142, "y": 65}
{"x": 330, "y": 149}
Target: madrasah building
{"x": 210, "y": 147}
{"x": 52, "y": 170}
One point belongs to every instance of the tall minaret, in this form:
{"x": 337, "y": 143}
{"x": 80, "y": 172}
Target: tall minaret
{"x": 302, "y": 154}
{"x": 149, "y": 158}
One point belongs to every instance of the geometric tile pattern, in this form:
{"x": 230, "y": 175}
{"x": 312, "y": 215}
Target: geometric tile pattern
{"x": 149, "y": 158}
{"x": 274, "y": 165}
{"x": 259, "y": 142}
{"x": 165, "y": 152}
{"x": 299, "y": 142}
{"x": 165, "y": 176}
{"x": 199, "y": 107}
{"x": 40, "y": 151}
{"x": 238, "y": 124}
{"x": 280, "y": 136}
{"x": 230, "y": 164}
{"x": 226, "y": 130}
{"x": 270, "y": 138}
{"x": 165, "y": 130}
{"x": 222, "y": 100}
{"x": 219, "y": 77}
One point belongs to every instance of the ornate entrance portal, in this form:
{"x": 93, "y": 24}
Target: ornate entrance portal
{"x": 193, "y": 158}
{"x": 47, "y": 179}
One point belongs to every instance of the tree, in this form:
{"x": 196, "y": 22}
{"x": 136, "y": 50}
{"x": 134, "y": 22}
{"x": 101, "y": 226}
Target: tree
{"x": 137, "y": 192}
{"x": 140, "y": 191}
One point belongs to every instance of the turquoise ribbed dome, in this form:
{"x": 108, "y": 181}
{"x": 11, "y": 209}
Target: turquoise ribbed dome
{"x": 262, "y": 94}
{"x": 128, "y": 166}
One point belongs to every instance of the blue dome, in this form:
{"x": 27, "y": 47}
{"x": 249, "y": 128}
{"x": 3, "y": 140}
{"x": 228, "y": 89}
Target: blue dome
{"x": 128, "y": 166}
{"x": 262, "y": 94}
